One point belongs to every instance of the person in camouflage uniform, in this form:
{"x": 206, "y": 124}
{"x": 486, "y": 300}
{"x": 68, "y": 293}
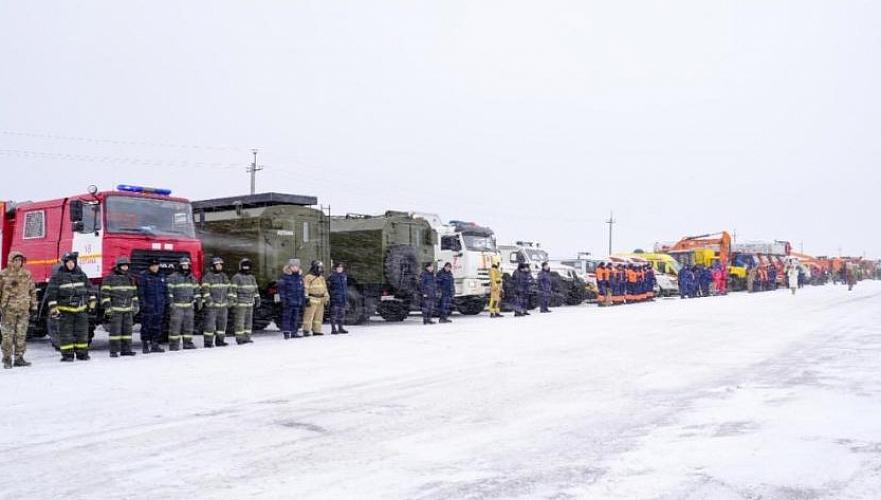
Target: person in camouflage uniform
{"x": 70, "y": 298}
{"x": 183, "y": 299}
{"x": 217, "y": 297}
{"x": 119, "y": 298}
{"x": 247, "y": 298}
{"x": 18, "y": 298}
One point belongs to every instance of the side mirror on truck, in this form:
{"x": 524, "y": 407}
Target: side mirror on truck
{"x": 76, "y": 215}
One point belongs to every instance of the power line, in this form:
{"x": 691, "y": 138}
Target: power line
{"x": 121, "y": 160}
{"x": 122, "y": 142}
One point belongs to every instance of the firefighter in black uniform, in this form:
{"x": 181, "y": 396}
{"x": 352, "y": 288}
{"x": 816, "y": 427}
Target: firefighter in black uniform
{"x": 70, "y": 299}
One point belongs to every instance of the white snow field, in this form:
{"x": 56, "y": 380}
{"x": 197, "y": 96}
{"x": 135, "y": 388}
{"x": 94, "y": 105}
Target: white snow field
{"x": 747, "y": 396}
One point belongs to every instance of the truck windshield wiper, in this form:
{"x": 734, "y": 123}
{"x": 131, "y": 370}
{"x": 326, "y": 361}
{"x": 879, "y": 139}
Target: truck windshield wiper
{"x": 140, "y": 230}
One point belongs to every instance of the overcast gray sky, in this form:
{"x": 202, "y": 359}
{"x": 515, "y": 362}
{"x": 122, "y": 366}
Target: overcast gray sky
{"x": 536, "y": 118}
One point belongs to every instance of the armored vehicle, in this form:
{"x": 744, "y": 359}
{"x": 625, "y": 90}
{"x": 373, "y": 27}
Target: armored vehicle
{"x": 269, "y": 229}
{"x": 384, "y": 255}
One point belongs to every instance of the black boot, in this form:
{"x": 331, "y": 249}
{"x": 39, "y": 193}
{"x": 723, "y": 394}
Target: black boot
{"x": 67, "y": 357}
{"x": 114, "y": 355}
{"x": 343, "y": 330}
{"x": 145, "y": 346}
{"x": 296, "y": 334}
{"x": 444, "y": 320}
{"x": 7, "y": 363}
{"x": 19, "y": 361}
{"x": 82, "y": 356}
{"x": 333, "y": 330}
{"x": 287, "y": 335}
{"x": 173, "y": 346}
{"x": 306, "y": 333}
{"x": 127, "y": 353}
{"x": 220, "y": 342}
{"x": 188, "y": 345}
{"x": 156, "y": 347}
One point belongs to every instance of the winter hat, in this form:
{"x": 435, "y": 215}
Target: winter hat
{"x": 294, "y": 262}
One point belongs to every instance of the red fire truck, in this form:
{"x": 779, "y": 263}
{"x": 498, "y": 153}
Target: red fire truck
{"x": 134, "y": 221}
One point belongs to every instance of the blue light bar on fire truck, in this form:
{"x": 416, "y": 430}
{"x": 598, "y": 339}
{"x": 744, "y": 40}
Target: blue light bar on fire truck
{"x": 142, "y": 189}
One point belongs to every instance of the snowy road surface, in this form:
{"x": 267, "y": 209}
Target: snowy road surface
{"x": 746, "y": 396}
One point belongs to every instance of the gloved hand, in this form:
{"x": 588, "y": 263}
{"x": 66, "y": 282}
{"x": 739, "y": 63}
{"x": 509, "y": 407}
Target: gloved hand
{"x": 54, "y": 312}
{"x": 92, "y": 305}
{"x": 108, "y": 314}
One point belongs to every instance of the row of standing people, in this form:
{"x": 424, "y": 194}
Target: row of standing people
{"x": 761, "y": 278}
{"x": 702, "y": 281}
{"x": 624, "y": 283}
{"x": 177, "y": 298}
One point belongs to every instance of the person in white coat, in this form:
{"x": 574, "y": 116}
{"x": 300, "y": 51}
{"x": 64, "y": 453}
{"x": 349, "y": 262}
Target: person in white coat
{"x": 792, "y": 274}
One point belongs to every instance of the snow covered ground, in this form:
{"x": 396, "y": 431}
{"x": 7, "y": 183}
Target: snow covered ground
{"x": 745, "y": 396}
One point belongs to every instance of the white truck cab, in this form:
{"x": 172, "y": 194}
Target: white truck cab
{"x": 470, "y": 249}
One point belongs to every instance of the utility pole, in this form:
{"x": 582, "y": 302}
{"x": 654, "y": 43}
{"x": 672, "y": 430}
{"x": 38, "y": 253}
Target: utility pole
{"x": 610, "y": 222}
{"x": 253, "y": 169}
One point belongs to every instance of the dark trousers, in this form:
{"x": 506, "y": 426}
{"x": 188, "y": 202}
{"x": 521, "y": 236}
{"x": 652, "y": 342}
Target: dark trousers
{"x": 120, "y": 332}
{"x": 446, "y": 303}
{"x": 214, "y": 325}
{"x": 151, "y": 326}
{"x": 522, "y": 302}
{"x": 291, "y": 316}
{"x": 427, "y": 308}
{"x": 337, "y": 314}
{"x": 73, "y": 333}
{"x": 545, "y": 300}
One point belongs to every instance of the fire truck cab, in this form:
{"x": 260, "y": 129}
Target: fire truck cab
{"x": 137, "y": 222}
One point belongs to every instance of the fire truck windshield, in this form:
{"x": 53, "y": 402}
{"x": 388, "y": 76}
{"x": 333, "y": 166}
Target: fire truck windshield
{"x": 479, "y": 243}
{"x": 149, "y": 216}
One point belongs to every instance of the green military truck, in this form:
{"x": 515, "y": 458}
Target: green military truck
{"x": 384, "y": 255}
{"x": 269, "y": 229}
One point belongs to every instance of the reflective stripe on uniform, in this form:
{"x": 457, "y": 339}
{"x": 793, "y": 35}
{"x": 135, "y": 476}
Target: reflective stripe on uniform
{"x": 66, "y": 347}
{"x": 72, "y": 285}
{"x": 81, "y": 346}
{"x": 173, "y": 337}
{"x": 183, "y": 304}
{"x": 120, "y": 287}
{"x": 72, "y": 309}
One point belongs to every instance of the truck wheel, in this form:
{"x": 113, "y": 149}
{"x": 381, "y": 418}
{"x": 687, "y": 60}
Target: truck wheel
{"x": 471, "y": 306}
{"x": 355, "y": 309}
{"x": 402, "y": 269}
{"x": 37, "y": 328}
{"x": 507, "y": 293}
{"x": 394, "y": 311}
{"x": 263, "y": 315}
